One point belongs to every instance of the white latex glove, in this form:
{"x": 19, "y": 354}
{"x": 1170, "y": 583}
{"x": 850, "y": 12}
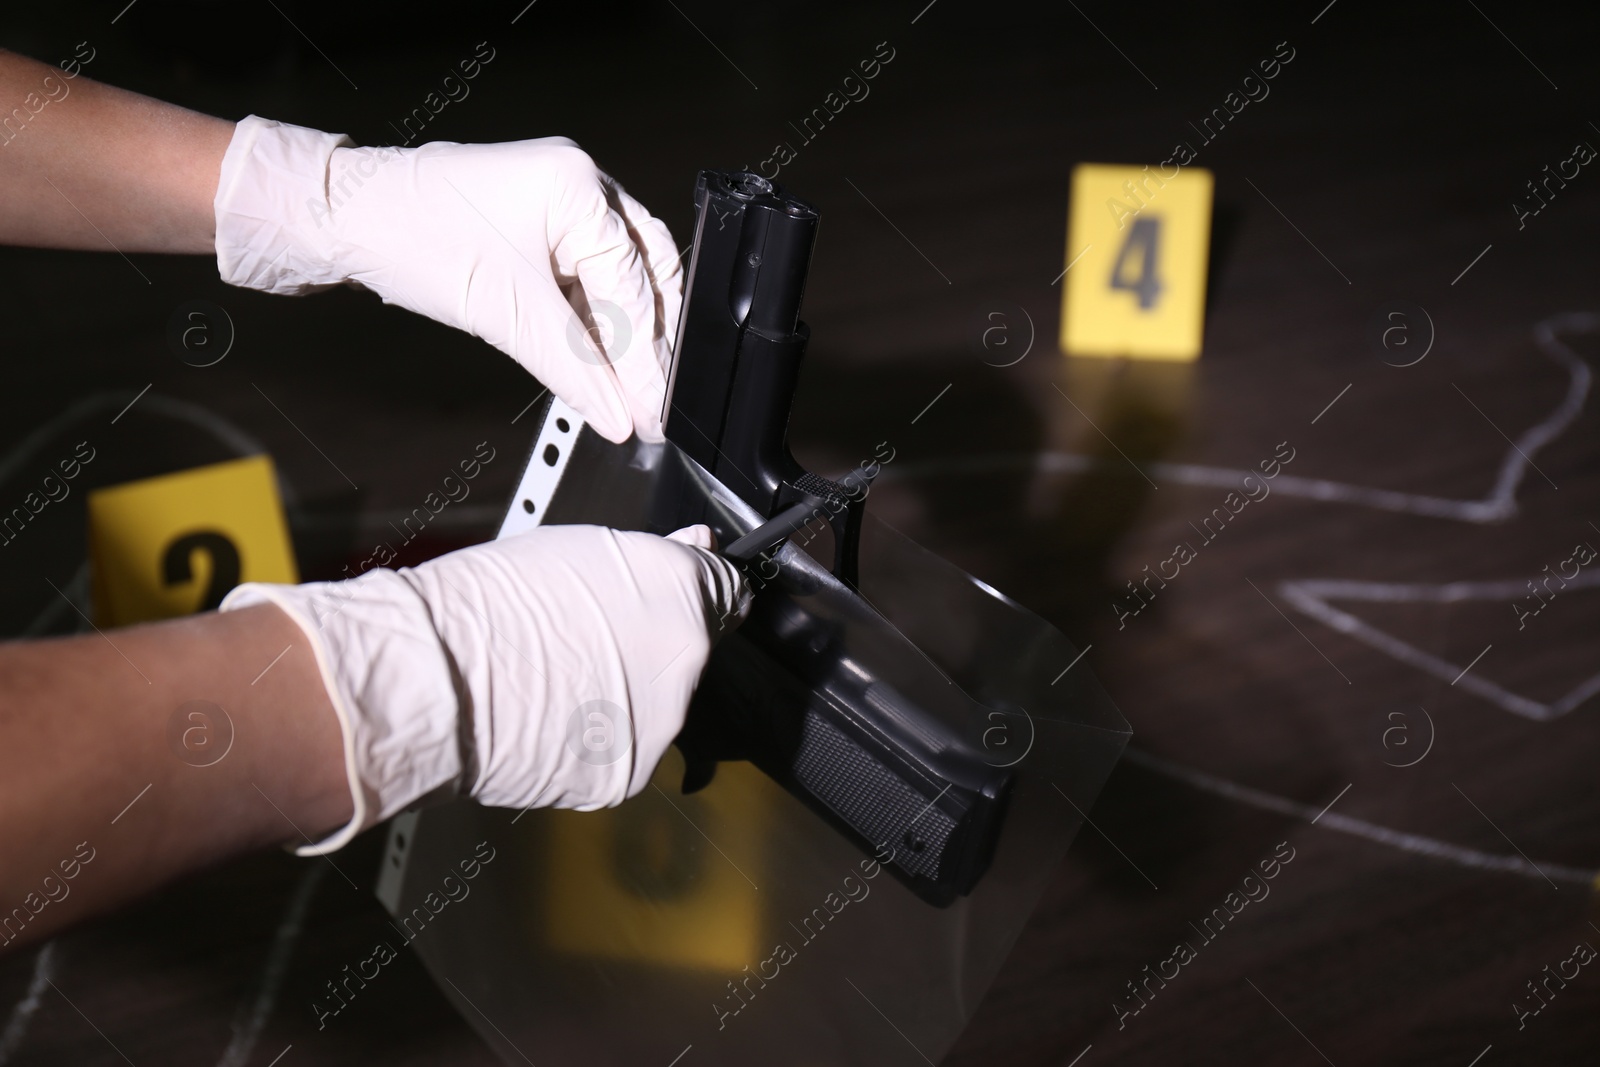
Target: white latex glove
{"x": 549, "y": 669}
{"x": 491, "y": 239}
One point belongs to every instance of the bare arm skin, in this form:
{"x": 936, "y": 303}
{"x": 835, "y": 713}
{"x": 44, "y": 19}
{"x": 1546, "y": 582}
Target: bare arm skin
{"x": 98, "y": 802}
{"x": 85, "y": 725}
{"x": 82, "y": 733}
{"x": 142, "y": 172}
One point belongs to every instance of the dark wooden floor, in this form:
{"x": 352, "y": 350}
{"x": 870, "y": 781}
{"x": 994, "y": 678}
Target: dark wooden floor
{"x": 1391, "y": 148}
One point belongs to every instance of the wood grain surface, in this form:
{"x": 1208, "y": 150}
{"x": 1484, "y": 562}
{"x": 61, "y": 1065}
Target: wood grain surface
{"x": 1383, "y": 166}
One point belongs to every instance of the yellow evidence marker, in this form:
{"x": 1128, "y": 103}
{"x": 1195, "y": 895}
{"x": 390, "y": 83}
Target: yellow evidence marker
{"x": 640, "y": 883}
{"x": 176, "y": 544}
{"x": 1137, "y": 242}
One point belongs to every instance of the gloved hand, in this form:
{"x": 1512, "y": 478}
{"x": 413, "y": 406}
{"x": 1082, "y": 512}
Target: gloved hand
{"x": 551, "y": 668}
{"x": 492, "y": 239}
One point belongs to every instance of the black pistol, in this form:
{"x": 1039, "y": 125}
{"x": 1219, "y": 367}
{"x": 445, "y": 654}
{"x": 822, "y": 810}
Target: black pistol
{"x": 815, "y": 688}
{"x": 738, "y": 352}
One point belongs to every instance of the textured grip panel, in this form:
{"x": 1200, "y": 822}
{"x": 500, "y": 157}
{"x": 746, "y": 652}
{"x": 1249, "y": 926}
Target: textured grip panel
{"x": 817, "y": 485}
{"x": 870, "y": 797}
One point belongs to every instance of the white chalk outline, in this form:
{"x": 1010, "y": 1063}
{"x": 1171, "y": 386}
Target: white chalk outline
{"x": 1497, "y": 505}
{"x": 249, "y": 1024}
{"x": 1383, "y": 835}
{"x": 44, "y": 968}
{"x": 1310, "y": 596}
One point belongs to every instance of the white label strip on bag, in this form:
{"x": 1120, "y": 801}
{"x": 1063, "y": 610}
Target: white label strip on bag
{"x": 546, "y": 463}
{"x": 540, "y": 479}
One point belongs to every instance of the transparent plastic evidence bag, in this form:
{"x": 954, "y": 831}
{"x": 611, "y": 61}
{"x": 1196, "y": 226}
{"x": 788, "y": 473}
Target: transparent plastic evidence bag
{"x": 735, "y": 924}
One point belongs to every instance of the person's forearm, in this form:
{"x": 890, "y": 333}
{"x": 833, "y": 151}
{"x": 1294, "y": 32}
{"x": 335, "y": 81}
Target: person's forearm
{"x": 101, "y": 758}
{"x": 88, "y": 166}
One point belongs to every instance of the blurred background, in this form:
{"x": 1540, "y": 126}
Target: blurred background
{"x": 1293, "y": 684}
